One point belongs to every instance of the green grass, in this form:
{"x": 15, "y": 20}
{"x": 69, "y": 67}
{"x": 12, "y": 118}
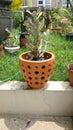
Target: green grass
{"x": 63, "y": 50}
{"x": 9, "y": 66}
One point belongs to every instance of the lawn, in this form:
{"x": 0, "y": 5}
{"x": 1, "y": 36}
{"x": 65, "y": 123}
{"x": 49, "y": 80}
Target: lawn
{"x": 62, "y": 48}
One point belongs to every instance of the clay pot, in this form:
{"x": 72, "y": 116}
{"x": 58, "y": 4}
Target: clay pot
{"x": 23, "y": 40}
{"x": 1, "y": 50}
{"x": 70, "y": 72}
{"x": 36, "y": 73}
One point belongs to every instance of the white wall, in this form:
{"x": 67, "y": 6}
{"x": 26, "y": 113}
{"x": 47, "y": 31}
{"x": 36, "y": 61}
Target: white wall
{"x": 56, "y": 98}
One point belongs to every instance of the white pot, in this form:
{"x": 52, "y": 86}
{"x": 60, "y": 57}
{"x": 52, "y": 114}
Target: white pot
{"x": 12, "y": 49}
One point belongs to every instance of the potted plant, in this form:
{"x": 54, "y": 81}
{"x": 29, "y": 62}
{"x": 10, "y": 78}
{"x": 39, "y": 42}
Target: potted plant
{"x": 70, "y": 71}
{"x": 61, "y": 20}
{"x": 23, "y": 34}
{"x": 36, "y": 65}
{"x": 23, "y": 39}
{"x": 10, "y": 44}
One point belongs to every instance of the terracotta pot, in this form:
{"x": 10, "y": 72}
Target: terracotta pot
{"x": 1, "y": 46}
{"x": 70, "y": 72}
{"x": 1, "y": 50}
{"x": 23, "y": 41}
{"x": 36, "y": 73}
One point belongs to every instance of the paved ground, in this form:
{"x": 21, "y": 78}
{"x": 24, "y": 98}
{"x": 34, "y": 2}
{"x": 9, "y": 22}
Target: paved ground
{"x": 10, "y": 122}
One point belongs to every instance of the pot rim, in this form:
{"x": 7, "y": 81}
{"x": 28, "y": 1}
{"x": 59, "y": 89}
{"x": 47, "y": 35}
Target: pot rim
{"x": 13, "y": 47}
{"x": 20, "y": 57}
{"x": 69, "y": 67}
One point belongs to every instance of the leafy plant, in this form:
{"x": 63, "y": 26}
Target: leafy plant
{"x": 37, "y": 38}
{"x": 11, "y": 40}
{"x": 16, "y": 4}
{"x": 16, "y": 19}
{"x": 60, "y": 18}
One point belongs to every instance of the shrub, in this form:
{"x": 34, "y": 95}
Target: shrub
{"x": 16, "y": 19}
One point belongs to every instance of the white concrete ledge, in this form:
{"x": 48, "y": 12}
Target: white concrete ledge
{"x": 56, "y": 98}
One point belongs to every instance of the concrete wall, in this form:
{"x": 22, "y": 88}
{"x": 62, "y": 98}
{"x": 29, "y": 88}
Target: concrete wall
{"x": 56, "y": 98}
